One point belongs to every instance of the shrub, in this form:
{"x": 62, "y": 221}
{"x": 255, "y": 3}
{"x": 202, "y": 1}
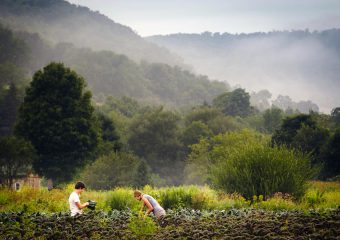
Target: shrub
{"x": 175, "y": 197}
{"x": 112, "y": 170}
{"x": 142, "y": 227}
{"x": 255, "y": 168}
{"x": 122, "y": 199}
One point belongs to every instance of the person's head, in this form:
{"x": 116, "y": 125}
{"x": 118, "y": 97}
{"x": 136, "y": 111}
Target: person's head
{"x": 79, "y": 187}
{"x": 137, "y": 194}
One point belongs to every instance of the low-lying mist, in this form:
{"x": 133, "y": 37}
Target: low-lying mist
{"x": 300, "y": 64}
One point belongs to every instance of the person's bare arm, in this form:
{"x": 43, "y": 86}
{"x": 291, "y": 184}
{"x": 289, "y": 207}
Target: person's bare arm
{"x": 148, "y": 205}
{"x": 81, "y": 206}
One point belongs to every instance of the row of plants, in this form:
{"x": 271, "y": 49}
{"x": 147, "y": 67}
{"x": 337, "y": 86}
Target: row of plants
{"x": 319, "y": 195}
{"x": 179, "y": 224}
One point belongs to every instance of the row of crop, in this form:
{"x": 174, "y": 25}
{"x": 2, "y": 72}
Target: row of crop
{"x": 179, "y": 224}
{"x": 318, "y": 196}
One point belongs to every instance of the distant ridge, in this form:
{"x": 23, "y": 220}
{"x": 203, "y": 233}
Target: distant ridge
{"x": 298, "y": 63}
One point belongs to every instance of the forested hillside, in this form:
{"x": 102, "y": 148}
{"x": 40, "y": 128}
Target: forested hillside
{"x": 60, "y": 21}
{"x": 106, "y": 73}
{"x": 301, "y": 64}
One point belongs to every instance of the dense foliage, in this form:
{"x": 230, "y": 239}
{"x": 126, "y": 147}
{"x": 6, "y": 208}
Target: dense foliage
{"x": 16, "y": 156}
{"x": 114, "y": 170}
{"x": 245, "y": 163}
{"x": 57, "y": 118}
{"x": 313, "y": 134}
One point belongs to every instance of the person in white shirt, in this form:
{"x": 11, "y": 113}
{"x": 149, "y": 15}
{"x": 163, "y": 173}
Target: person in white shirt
{"x": 74, "y": 201}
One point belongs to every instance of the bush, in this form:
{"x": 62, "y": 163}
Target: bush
{"x": 122, "y": 199}
{"x": 255, "y": 168}
{"x": 112, "y": 170}
{"x": 142, "y": 227}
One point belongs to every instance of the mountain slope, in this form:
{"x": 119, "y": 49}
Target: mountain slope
{"x": 60, "y": 21}
{"x": 108, "y": 73}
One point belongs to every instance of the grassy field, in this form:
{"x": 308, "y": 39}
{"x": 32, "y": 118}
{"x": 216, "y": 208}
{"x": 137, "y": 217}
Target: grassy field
{"x": 192, "y": 213}
{"x": 319, "y": 196}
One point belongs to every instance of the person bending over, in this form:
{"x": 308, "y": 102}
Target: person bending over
{"x": 151, "y": 204}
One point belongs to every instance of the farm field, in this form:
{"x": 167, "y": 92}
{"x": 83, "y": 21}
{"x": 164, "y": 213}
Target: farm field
{"x": 192, "y": 213}
{"x": 179, "y": 224}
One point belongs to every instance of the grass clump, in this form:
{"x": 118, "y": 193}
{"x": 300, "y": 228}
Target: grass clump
{"x": 255, "y": 168}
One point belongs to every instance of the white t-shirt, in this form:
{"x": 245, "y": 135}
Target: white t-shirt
{"x": 72, "y": 200}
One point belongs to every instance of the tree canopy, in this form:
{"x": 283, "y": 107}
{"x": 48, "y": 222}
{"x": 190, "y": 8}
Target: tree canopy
{"x": 57, "y": 117}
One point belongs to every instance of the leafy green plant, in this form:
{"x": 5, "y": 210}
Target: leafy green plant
{"x": 314, "y": 198}
{"x": 142, "y": 226}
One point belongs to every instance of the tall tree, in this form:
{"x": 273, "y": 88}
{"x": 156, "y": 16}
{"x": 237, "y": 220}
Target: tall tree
{"x": 235, "y": 103}
{"x": 57, "y": 117}
{"x": 154, "y": 136}
{"x": 335, "y": 114}
{"x": 8, "y": 111}
{"x": 290, "y": 127}
{"x": 332, "y": 156}
{"x": 16, "y": 156}
{"x": 272, "y": 119}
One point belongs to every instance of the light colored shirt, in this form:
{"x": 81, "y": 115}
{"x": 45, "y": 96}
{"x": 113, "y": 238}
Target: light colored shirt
{"x": 154, "y": 203}
{"x": 72, "y": 200}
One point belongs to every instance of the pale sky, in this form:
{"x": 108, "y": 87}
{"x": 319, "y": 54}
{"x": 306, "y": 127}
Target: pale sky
{"x": 152, "y": 17}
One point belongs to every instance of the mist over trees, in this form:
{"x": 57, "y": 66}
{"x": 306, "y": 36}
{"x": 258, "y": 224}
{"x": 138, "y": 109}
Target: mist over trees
{"x": 60, "y": 21}
{"x": 107, "y": 73}
{"x": 303, "y": 63}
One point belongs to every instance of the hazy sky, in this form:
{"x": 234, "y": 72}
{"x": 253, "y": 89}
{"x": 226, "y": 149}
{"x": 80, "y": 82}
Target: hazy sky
{"x": 151, "y": 17}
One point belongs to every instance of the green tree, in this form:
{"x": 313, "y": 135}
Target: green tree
{"x": 57, "y": 118}
{"x": 235, "y": 103}
{"x": 205, "y": 114}
{"x": 154, "y": 136}
{"x": 311, "y": 140}
{"x": 303, "y": 132}
{"x": 142, "y": 176}
{"x": 194, "y": 132}
{"x": 272, "y": 119}
{"x": 110, "y": 138}
{"x": 335, "y": 115}
{"x": 8, "y": 111}
{"x": 290, "y": 126}
{"x": 216, "y": 121}
{"x": 16, "y": 156}
{"x": 332, "y": 156}
{"x": 111, "y": 170}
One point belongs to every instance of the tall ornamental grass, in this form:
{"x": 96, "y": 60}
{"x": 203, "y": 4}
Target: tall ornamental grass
{"x": 258, "y": 169}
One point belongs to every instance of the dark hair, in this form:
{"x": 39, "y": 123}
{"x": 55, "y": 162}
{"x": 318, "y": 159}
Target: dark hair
{"x": 79, "y": 185}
